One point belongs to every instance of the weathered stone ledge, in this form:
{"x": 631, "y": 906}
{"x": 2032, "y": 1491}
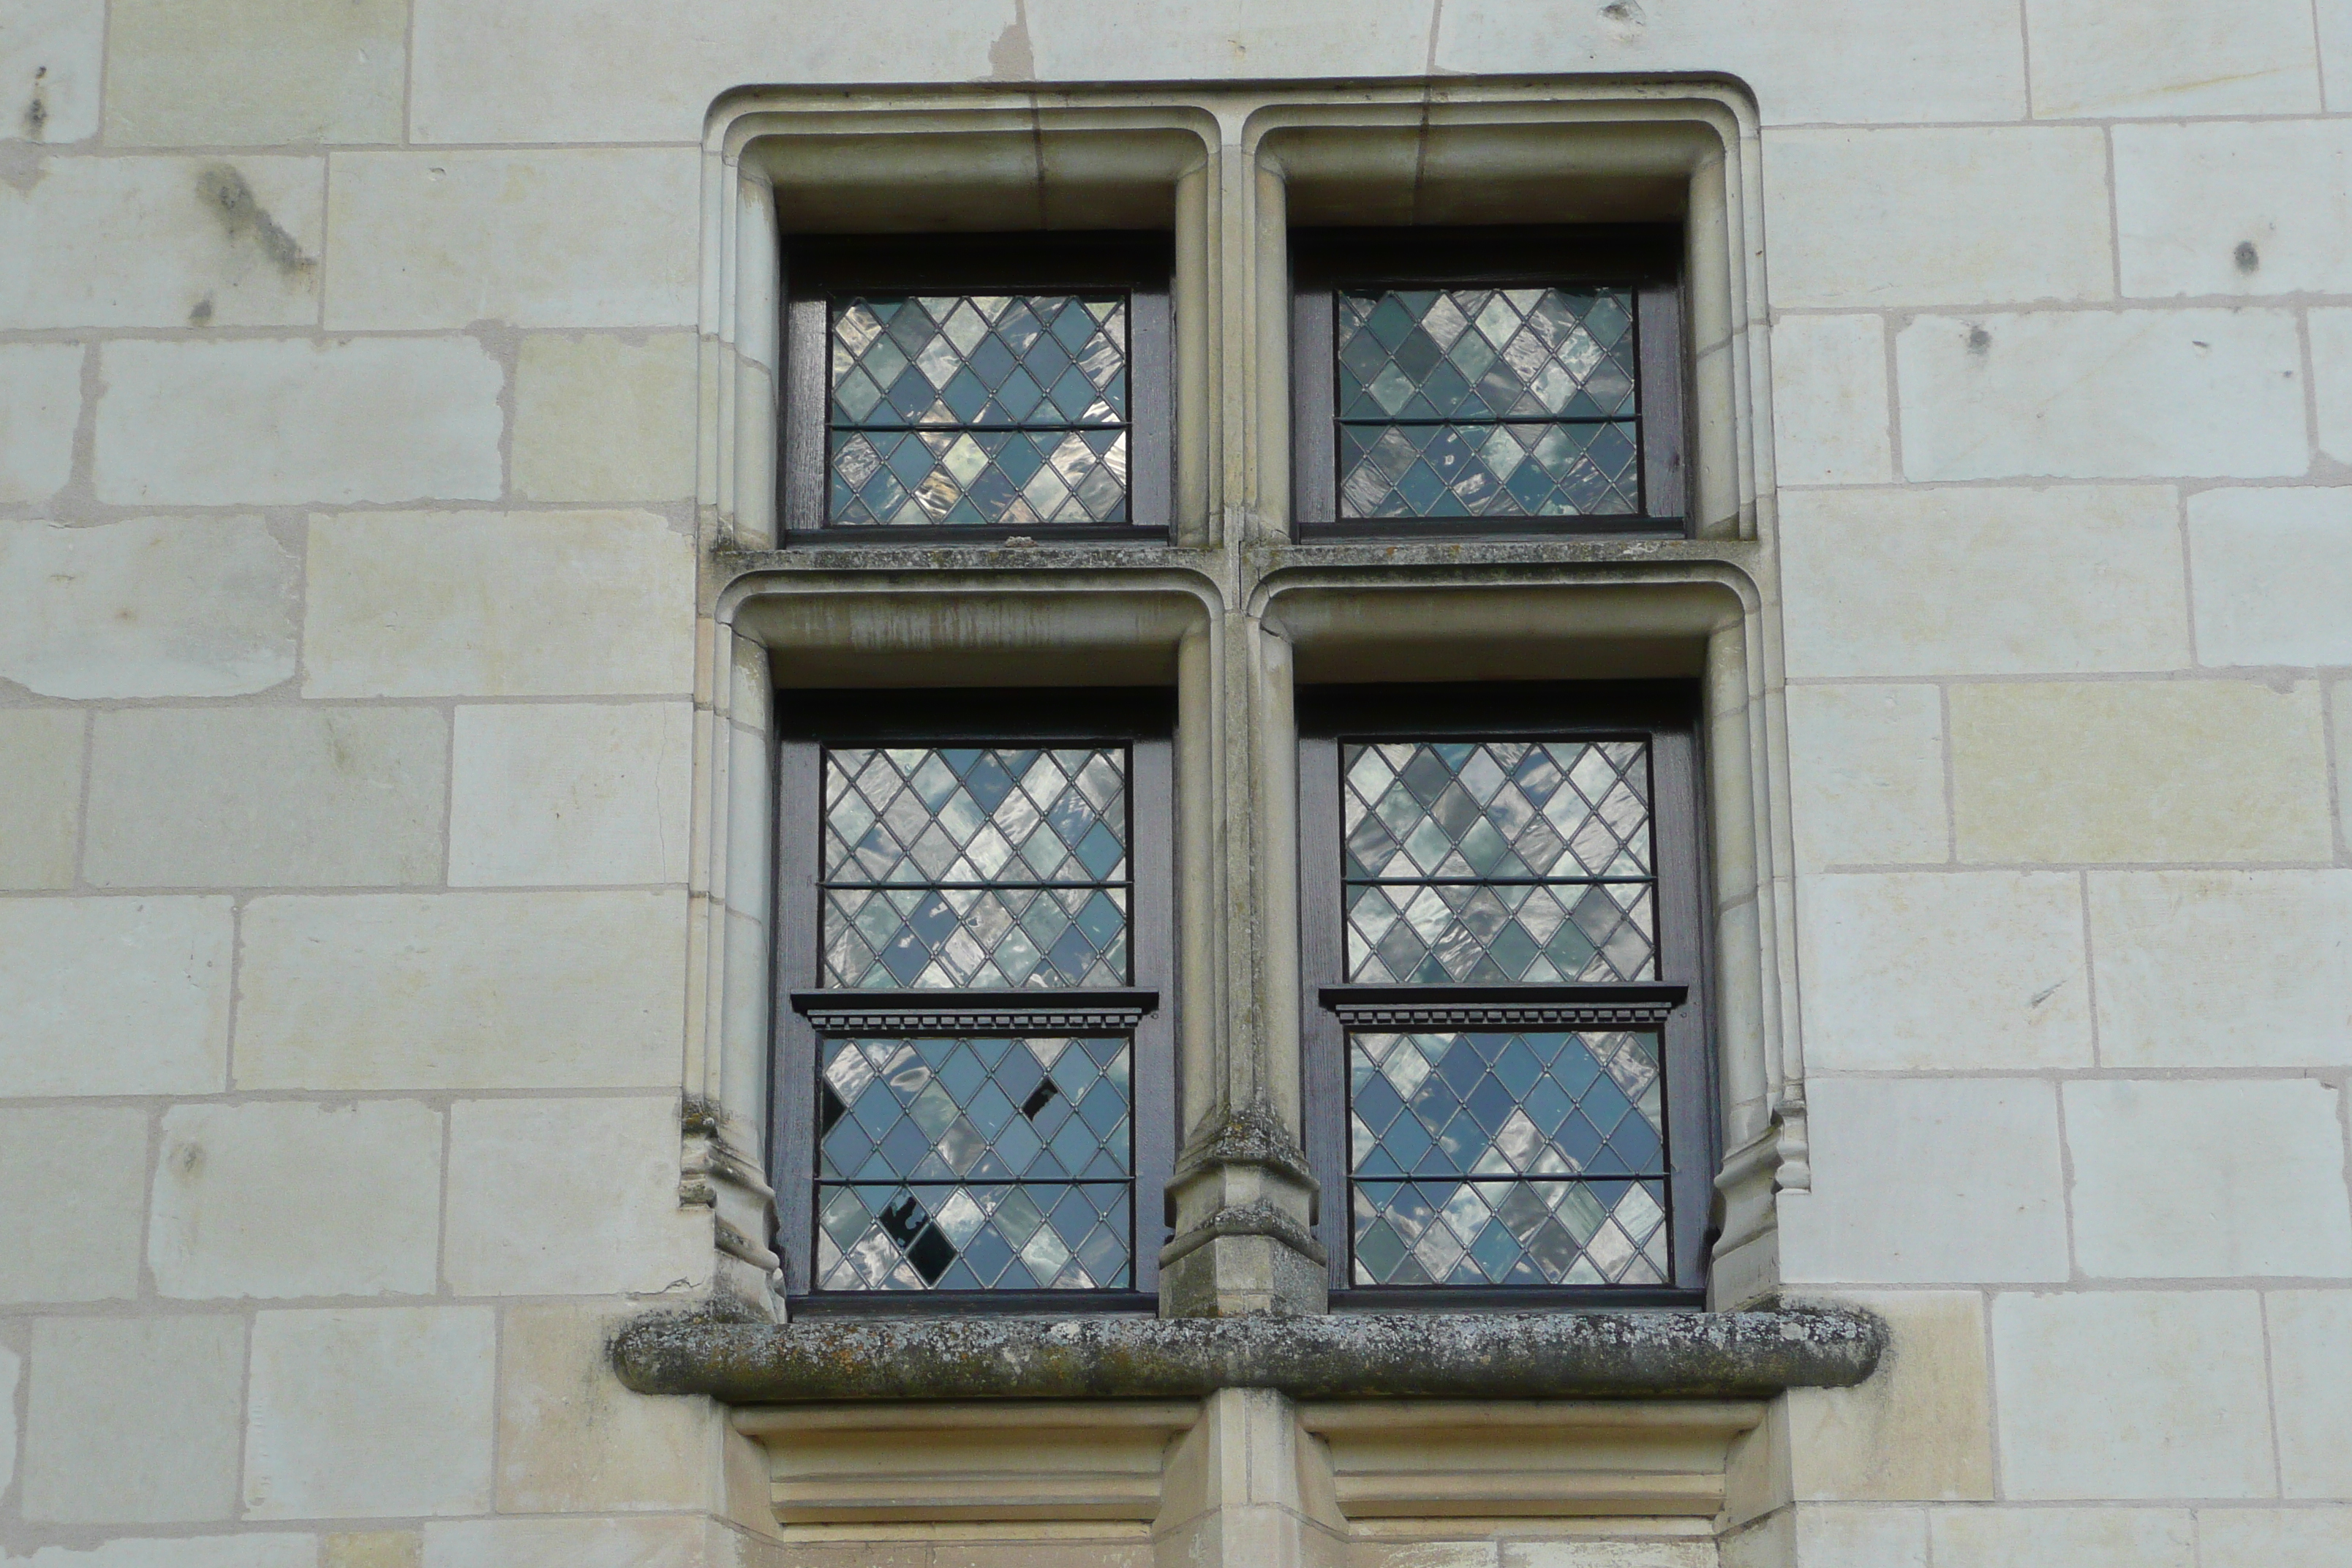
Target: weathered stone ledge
{"x": 1437, "y": 1355}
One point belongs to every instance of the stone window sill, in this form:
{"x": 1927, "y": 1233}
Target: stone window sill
{"x": 1526, "y": 1355}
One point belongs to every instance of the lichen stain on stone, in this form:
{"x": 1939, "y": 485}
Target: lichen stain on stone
{"x": 222, "y": 188}
{"x": 2247, "y": 258}
{"x": 1626, "y": 13}
{"x": 202, "y": 314}
{"x": 1980, "y": 340}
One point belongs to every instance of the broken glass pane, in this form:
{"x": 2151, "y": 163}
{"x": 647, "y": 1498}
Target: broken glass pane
{"x": 975, "y": 1164}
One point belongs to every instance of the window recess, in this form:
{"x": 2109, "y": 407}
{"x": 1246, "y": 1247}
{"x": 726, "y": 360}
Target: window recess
{"x": 1488, "y": 381}
{"x": 974, "y": 1074}
{"x": 972, "y": 388}
{"x": 1507, "y": 1067}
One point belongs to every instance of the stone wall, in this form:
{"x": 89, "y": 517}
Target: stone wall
{"x": 349, "y": 516}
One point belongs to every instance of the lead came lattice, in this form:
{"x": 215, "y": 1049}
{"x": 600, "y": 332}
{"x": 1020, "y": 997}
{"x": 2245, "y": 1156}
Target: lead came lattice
{"x": 1459, "y": 403}
{"x": 1490, "y": 862}
{"x": 975, "y": 1163}
{"x": 1507, "y": 1158}
{"x": 949, "y": 867}
{"x": 1000, "y": 411}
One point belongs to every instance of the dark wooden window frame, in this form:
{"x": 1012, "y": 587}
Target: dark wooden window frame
{"x": 1663, "y": 712}
{"x": 1142, "y": 720}
{"x": 1646, "y": 258}
{"x": 817, "y": 268}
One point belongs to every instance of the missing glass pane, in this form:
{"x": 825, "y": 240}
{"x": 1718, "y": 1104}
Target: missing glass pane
{"x": 993, "y": 411}
{"x": 1487, "y": 403}
{"x": 975, "y": 1164}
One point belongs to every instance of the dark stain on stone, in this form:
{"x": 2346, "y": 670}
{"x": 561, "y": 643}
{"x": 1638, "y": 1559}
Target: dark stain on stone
{"x": 2247, "y": 258}
{"x": 1980, "y": 340}
{"x": 1625, "y": 13}
{"x": 36, "y": 113}
{"x": 202, "y": 316}
{"x": 222, "y": 188}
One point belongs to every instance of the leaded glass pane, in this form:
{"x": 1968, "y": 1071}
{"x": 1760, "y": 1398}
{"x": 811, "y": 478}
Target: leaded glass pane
{"x": 975, "y": 867}
{"x": 1526, "y": 1158}
{"x": 975, "y": 1163}
{"x": 994, "y": 411}
{"x": 1485, "y": 402}
{"x": 1494, "y": 862}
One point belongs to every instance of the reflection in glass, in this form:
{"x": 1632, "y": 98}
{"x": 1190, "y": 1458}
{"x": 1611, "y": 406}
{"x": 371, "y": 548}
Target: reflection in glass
{"x": 1527, "y": 1158}
{"x": 975, "y": 1164}
{"x": 1462, "y": 403}
{"x": 998, "y": 411}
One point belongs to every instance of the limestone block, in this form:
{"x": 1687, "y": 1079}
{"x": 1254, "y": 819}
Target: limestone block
{"x": 2172, "y": 58}
{"x": 2082, "y": 1417}
{"x": 461, "y": 991}
{"x": 2310, "y": 1332}
{"x": 570, "y": 792}
{"x": 553, "y": 1197}
{"x": 1929, "y": 1182}
{"x": 165, "y": 242}
{"x": 601, "y": 418}
{"x": 1887, "y": 216}
{"x": 2331, "y": 372}
{"x": 1849, "y": 1536}
{"x": 133, "y": 1420}
{"x": 486, "y": 605}
{"x": 1965, "y": 972}
{"x": 41, "y": 402}
{"x": 370, "y": 1412}
{"x": 279, "y": 1200}
{"x": 2250, "y": 1177}
{"x": 2076, "y": 1537}
{"x": 2272, "y": 1537}
{"x": 1829, "y": 401}
{"x": 2222, "y": 969}
{"x": 1963, "y": 61}
{"x": 52, "y": 54}
{"x": 226, "y": 797}
{"x": 1921, "y": 1428}
{"x": 2140, "y": 770}
{"x": 2090, "y": 395}
{"x": 70, "y": 1181}
{"x": 1995, "y": 582}
{"x": 573, "y": 1543}
{"x": 246, "y": 1549}
{"x": 1866, "y": 770}
{"x": 255, "y": 73}
{"x": 282, "y": 421}
{"x": 576, "y": 239}
{"x": 114, "y": 995}
{"x": 157, "y": 607}
{"x": 1070, "y": 40}
{"x": 2274, "y": 570}
{"x": 572, "y": 1440}
{"x": 41, "y": 795}
{"x": 649, "y": 79}
{"x": 371, "y": 1548}
{"x": 2212, "y": 207}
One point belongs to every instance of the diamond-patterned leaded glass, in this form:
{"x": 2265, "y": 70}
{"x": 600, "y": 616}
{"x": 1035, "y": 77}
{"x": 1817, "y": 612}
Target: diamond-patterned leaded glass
{"x": 1497, "y": 862}
{"x": 991, "y": 411}
{"x": 975, "y": 867}
{"x": 1459, "y": 403}
{"x": 1505, "y": 1158}
{"x": 975, "y": 1164}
